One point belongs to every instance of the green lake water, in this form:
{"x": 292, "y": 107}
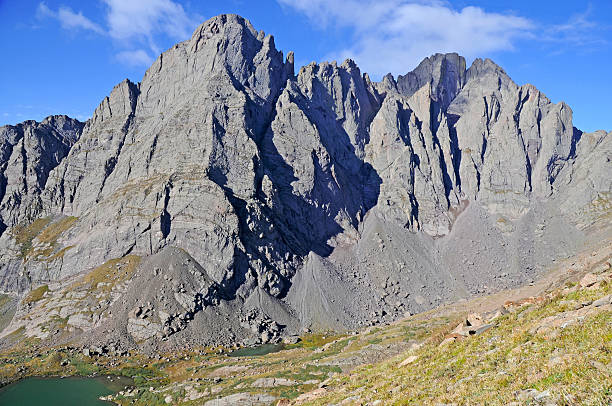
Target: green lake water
{"x": 61, "y": 391}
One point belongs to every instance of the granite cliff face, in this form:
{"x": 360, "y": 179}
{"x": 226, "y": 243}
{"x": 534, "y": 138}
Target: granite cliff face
{"x": 252, "y": 201}
{"x": 28, "y": 153}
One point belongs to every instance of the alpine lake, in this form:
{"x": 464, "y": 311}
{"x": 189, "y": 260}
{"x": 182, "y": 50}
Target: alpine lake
{"x": 71, "y": 391}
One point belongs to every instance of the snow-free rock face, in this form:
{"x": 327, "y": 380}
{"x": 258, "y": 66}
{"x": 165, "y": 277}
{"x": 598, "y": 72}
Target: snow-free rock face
{"x": 317, "y": 199}
{"x": 498, "y": 120}
{"x": 28, "y": 153}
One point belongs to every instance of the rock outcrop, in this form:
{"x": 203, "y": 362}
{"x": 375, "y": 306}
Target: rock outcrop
{"x": 319, "y": 199}
{"x": 28, "y": 153}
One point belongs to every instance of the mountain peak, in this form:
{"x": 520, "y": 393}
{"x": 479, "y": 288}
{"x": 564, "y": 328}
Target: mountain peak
{"x": 246, "y": 198}
{"x": 228, "y": 25}
{"x": 444, "y": 72}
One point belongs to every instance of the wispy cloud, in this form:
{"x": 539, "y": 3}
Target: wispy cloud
{"x": 139, "y": 57}
{"x": 580, "y": 30}
{"x": 127, "y": 19}
{"x": 141, "y": 20}
{"x": 134, "y": 24}
{"x": 394, "y": 35}
{"x": 68, "y": 18}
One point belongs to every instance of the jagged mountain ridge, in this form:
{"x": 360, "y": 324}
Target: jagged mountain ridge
{"x": 29, "y": 151}
{"x": 318, "y": 199}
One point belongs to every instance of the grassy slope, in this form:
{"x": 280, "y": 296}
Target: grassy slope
{"x": 45, "y": 232}
{"x": 573, "y": 361}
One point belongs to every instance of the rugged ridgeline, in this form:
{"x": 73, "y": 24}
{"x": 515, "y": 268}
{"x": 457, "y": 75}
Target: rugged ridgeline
{"x": 28, "y": 153}
{"x": 225, "y": 198}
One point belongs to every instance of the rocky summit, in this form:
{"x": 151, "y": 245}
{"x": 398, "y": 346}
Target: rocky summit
{"x": 228, "y": 199}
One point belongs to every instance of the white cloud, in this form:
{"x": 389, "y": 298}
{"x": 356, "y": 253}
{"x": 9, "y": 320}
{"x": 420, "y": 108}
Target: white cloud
{"x": 395, "y": 35}
{"x": 43, "y": 11}
{"x": 134, "y": 24}
{"x": 143, "y": 19}
{"x": 68, "y": 18}
{"x": 138, "y": 57}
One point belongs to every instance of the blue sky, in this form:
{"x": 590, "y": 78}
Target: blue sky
{"x": 64, "y": 56}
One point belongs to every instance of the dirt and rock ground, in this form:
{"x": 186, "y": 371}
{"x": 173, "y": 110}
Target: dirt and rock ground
{"x": 549, "y": 342}
{"x": 166, "y": 301}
